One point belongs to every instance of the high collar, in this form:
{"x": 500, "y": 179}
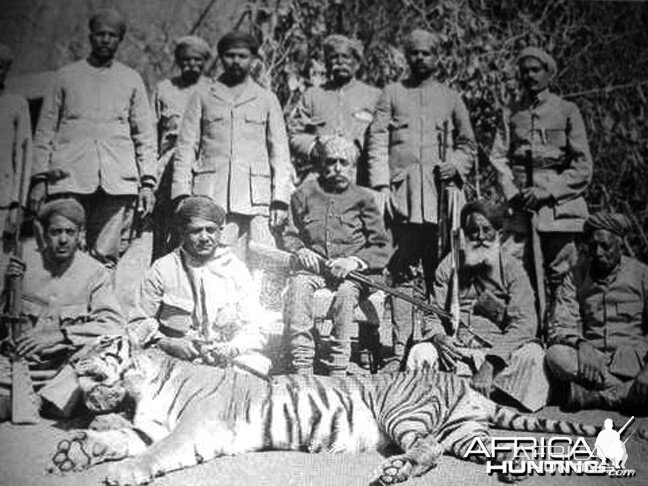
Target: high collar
{"x": 346, "y": 87}
{"x": 538, "y": 99}
{"x": 222, "y": 91}
{"x": 108, "y": 65}
{"x": 219, "y": 256}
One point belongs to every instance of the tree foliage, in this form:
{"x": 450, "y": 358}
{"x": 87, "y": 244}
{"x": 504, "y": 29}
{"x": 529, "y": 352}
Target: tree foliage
{"x": 601, "y": 49}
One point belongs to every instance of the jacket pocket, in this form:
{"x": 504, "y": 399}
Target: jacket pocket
{"x": 398, "y": 130}
{"x": 260, "y": 188}
{"x": 630, "y": 311}
{"x": 572, "y": 208}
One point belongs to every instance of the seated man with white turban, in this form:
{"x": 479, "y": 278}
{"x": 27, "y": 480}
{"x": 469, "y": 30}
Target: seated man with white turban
{"x": 497, "y": 339}
{"x": 598, "y": 334}
{"x": 334, "y": 227}
{"x": 198, "y": 303}
{"x": 67, "y": 303}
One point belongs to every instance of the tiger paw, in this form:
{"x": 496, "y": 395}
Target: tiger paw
{"x": 394, "y": 470}
{"x": 516, "y": 464}
{"x": 130, "y": 472}
{"x": 78, "y": 452}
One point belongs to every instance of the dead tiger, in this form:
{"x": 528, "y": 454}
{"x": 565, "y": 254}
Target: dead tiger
{"x": 186, "y": 414}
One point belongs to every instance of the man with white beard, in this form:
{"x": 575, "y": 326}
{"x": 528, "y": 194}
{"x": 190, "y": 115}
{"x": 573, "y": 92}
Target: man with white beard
{"x": 496, "y": 341}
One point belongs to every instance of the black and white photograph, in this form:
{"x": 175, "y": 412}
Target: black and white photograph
{"x": 323, "y": 242}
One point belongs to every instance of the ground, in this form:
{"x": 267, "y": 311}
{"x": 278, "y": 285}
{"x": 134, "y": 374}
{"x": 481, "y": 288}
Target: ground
{"x": 26, "y": 451}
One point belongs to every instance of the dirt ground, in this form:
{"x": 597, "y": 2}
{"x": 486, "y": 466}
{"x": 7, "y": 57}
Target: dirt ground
{"x": 26, "y": 451}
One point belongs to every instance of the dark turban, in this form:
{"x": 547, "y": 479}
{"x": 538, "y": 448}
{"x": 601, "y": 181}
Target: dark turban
{"x": 613, "y": 222}
{"x": 108, "y": 17}
{"x": 6, "y": 54}
{"x": 335, "y": 41}
{"x": 541, "y": 55}
{"x": 192, "y": 43}
{"x": 201, "y": 207}
{"x": 236, "y": 39}
{"x": 493, "y": 213}
{"x": 68, "y": 208}
{"x": 420, "y": 37}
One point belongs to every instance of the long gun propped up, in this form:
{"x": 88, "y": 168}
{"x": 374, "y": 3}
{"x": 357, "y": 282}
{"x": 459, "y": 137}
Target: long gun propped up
{"x": 23, "y": 406}
{"x": 448, "y": 232}
{"x": 536, "y": 247}
{"x": 284, "y": 259}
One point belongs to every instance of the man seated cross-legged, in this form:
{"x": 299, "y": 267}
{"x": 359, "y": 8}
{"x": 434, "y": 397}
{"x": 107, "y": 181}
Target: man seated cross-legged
{"x": 598, "y": 334}
{"x": 198, "y": 303}
{"x": 497, "y": 338}
{"x": 67, "y": 303}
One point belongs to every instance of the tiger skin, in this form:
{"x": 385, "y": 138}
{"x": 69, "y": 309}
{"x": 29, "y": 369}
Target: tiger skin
{"x": 186, "y": 414}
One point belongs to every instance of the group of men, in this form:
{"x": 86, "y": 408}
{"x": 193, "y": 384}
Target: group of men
{"x": 221, "y": 176}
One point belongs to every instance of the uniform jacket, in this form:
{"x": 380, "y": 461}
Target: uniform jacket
{"x": 169, "y": 301}
{"x": 15, "y": 148}
{"x": 326, "y": 110}
{"x": 170, "y": 100}
{"x": 510, "y": 285}
{"x": 404, "y": 145}
{"x": 96, "y": 125}
{"x": 233, "y": 150}
{"x": 562, "y": 162}
{"x": 612, "y": 314}
{"x": 338, "y": 224}
{"x": 80, "y": 300}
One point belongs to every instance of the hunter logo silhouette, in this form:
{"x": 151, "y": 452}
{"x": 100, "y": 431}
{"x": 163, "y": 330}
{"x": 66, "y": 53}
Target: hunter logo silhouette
{"x": 610, "y": 447}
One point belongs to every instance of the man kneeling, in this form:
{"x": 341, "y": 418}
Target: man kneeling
{"x": 67, "y": 302}
{"x": 335, "y": 227}
{"x": 497, "y": 338}
{"x": 598, "y": 335}
{"x": 198, "y": 303}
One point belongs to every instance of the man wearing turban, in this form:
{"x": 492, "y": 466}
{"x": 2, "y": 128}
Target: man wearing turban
{"x": 496, "y": 299}
{"x": 598, "y": 334}
{"x": 547, "y": 132}
{"x": 95, "y": 141}
{"x": 333, "y": 219}
{"x": 405, "y": 164}
{"x": 233, "y": 147}
{"x": 15, "y": 155}
{"x": 342, "y": 106}
{"x": 199, "y": 302}
{"x": 192, "y": 53}
{"x": 67, "y": 303}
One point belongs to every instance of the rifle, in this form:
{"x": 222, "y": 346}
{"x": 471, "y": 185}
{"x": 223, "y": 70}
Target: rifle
{"x": 287, "y": 259}
{"x": 23, "y": 406}
{"x": 536, "y": 248}
{"x": 448, "y": 237}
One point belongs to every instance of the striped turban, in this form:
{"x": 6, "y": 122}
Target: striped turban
{"x": 616, "y": 223}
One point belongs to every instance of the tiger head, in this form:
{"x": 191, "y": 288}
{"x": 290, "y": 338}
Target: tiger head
{"x": 110, "y": 373}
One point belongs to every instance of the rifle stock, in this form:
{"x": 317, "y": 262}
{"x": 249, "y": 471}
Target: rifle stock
{"x": 23, "y": 405}
{"x": 289, "y": 260}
